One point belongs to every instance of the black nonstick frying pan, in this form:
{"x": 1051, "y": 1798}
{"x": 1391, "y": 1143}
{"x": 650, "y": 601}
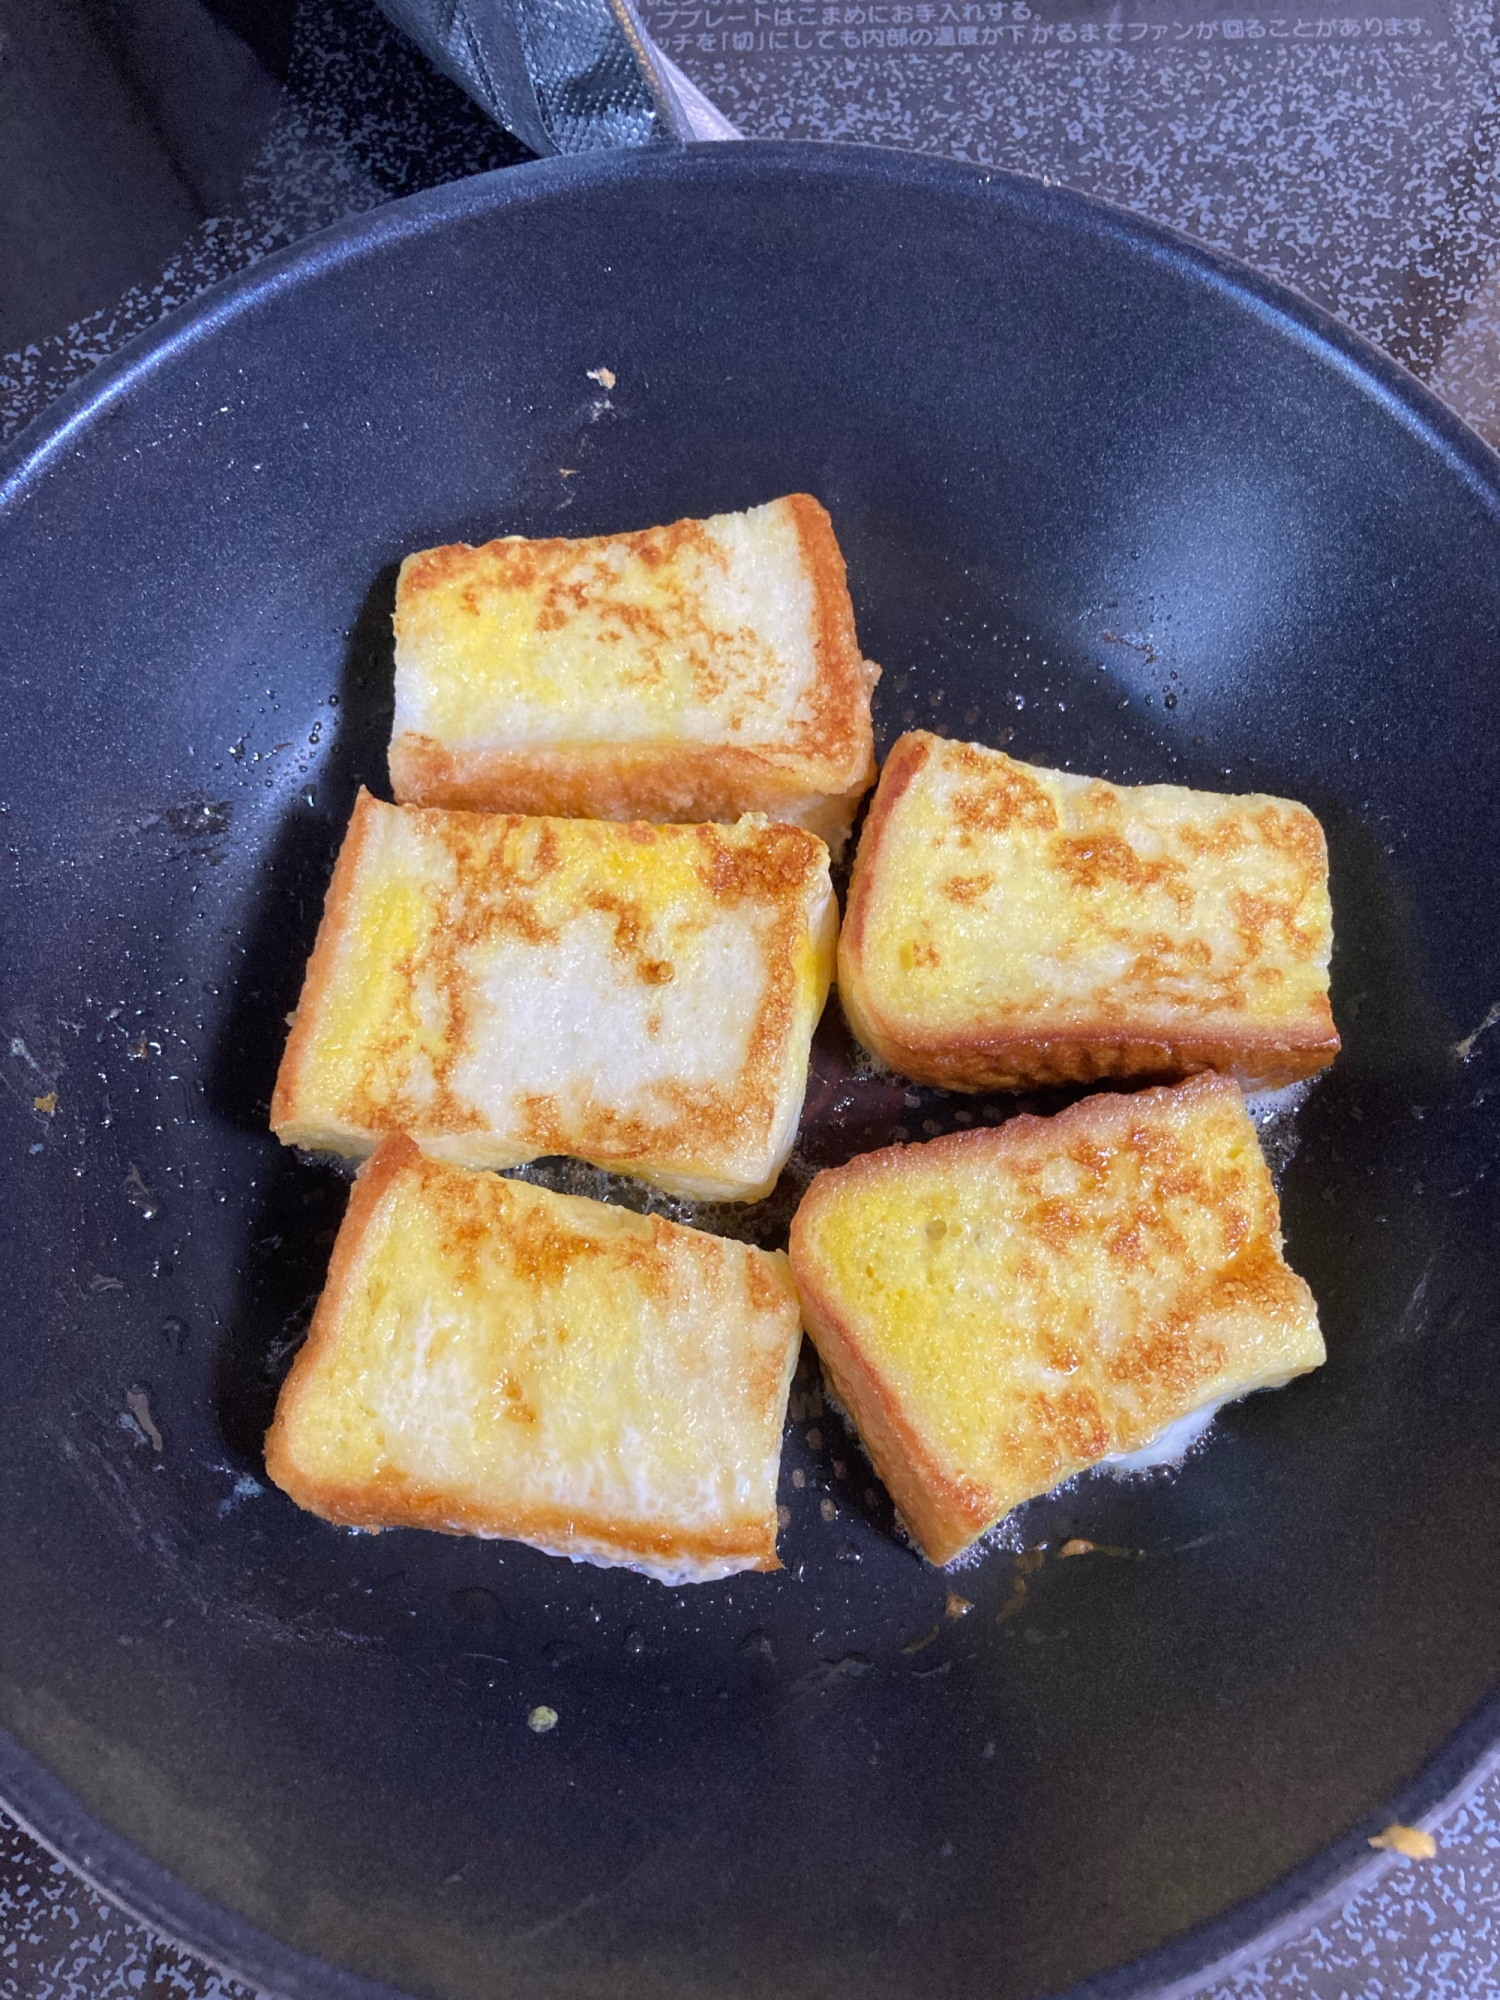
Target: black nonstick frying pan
{"x": 1105, "y": 499}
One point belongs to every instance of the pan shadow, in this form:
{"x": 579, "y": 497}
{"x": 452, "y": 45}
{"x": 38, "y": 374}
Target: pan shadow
{"x": 284, "y": 1258}
{"x": 1355, "y": 1228}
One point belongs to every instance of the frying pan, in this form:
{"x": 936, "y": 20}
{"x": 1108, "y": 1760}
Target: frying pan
{"x": 1104, "y": 498}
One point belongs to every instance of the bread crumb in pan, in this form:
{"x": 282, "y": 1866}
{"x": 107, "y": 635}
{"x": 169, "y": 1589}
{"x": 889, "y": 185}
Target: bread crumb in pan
{"x": 1408, "y": 1840}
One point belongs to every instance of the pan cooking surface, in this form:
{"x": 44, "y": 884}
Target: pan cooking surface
{"x": 1103, "y": 500}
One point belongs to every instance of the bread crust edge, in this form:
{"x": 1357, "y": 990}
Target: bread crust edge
{"x": 332, "y": 928}
{"x": 379, "y": 1174}
{"x": 943, "y": 1514}
{"x": 681, "y": 783}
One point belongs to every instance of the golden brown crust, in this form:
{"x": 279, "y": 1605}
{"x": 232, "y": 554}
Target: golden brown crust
{"x": 942, "y": 1514}
{"x": 838, "y": 734}
{"x": 678, "y": 783}
{"x": 816, "y": 777}
{"x": 978, "y": 1058}
{"x": 908, "y": 755}
{"x": 977, "y": 1062}
{"x": 371, "y": 1185}
{"x": 1175, "y": 1352}
{"x": 337, "y": 911}
{"x": 392, "y": 1500}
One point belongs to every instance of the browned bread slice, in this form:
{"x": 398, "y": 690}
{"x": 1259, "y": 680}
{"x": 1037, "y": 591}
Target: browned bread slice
{"x": 643, "y": 997}
{"x": 1000, "y": 1309}
{"x": 1010, "y": 926}
{"x": 489, "y": 1358}
{"x": 691, "y": 672}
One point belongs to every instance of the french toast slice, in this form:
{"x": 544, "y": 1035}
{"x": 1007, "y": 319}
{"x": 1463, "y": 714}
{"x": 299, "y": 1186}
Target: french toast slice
{"x": 1011, "y": 927}
{"x": 691, "y": 672}
{"x": 490, "y": 1358}
{"x": 1002, "y": 1308}
{"x": 642, "y": 997}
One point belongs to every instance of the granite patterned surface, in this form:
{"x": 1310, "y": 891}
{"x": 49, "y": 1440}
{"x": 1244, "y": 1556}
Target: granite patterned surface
{"x": 363, "y": 119}
{"x": 1352, "y": 162}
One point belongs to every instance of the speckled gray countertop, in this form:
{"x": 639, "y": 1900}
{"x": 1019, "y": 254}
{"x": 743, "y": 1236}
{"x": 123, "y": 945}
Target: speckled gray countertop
{"x": 1348, "y": 154}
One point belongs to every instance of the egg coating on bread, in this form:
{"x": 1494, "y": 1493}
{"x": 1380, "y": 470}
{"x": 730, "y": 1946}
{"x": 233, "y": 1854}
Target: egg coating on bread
{"x": 1011, "y": 926}
{"x": 642, "y": 997}
{"x": 696, "y": 671}
{"x": 490, "y": 1358}
{"x": 1000, "y": 1309}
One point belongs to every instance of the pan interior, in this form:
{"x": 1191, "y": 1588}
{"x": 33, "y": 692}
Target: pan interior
{"x": 1101, "y": 504}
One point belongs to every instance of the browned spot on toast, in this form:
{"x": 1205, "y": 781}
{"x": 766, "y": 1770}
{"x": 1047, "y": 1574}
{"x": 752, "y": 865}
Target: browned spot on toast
{"x": 513, "y": 1401}
{"x": 967, "y": 888}
{"x": 765, "y": 1293}
{"x": 776, "y": 863}
{"x": 1100, "y": 861}
{"x": 1006, "y": 798}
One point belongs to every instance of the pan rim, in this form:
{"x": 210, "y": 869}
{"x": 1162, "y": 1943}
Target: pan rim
{"x": 117, "y": 1867}
{"x": 1309, "y": 325}
{"x": 119, "y": 1870}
